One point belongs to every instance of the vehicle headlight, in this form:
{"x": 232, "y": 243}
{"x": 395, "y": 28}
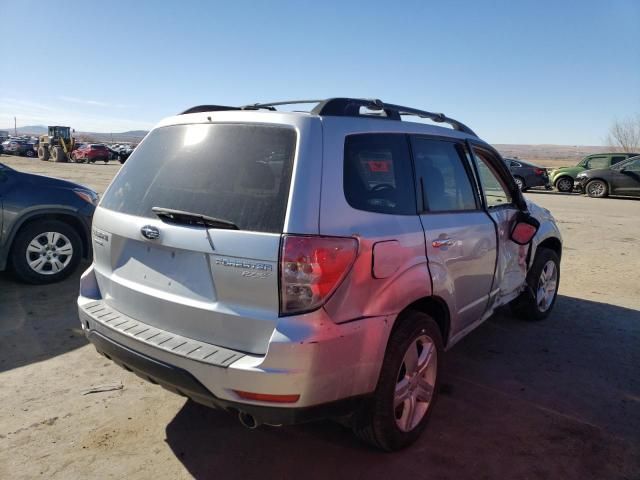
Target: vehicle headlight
{"x": 581, "y": 175}
{"x": 88, "y": 196}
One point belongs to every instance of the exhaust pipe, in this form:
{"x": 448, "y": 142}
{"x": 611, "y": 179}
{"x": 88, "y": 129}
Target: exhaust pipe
{"x": 247, "y": 420}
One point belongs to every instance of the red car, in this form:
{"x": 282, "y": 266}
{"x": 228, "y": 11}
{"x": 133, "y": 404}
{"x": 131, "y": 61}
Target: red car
{"x": 91, "y": 153}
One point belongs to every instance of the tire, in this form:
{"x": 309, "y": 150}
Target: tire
{"x": 529, "y": 305}
{"x": 30, "y": 153}
{"x": 377, "y": 422}
{"x": 564, "y": 184}
{"x": 597, "y": 189}
{"x": 35, "y": 233}
{"x": 43, "y": 153}
{"x": 520, "y": 183}
{"x": 59, "y": 155}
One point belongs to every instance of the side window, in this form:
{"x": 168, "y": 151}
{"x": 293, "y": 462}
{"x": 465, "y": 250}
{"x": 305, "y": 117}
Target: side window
{"x": 442, "y": 178}
{"x": 377, "y": 174}
{"x": 597, "y": 162}
{"x": 632, "y": 166}
{"x": 615, "y": 160}
{"x": 494, "y": 191}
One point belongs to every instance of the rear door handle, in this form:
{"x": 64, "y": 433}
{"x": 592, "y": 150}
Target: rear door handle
{"x": 443, "y": 242}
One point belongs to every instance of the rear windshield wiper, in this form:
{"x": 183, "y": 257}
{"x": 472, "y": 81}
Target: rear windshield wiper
{"x": 190, "y": 218}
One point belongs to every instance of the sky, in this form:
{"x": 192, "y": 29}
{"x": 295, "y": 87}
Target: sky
{"x": 532, "y": 72}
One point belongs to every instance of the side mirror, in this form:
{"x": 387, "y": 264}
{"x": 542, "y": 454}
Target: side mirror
{"x": 524, "y": 228}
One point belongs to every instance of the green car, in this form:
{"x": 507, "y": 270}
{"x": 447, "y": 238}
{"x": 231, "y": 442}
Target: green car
{"x": 563, "y": 178}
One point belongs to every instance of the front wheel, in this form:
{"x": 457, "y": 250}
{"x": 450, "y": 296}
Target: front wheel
{"x": 564, "y": 184}
{"x": 407, "y": 387}
{"x": 597, "y": 189}
{"x": 45, "y": 252}
{"x": 543, "y": 280}
{"x": 520, "y": 183}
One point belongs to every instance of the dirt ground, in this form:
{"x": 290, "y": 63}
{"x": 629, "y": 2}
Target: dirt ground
{"x": 555, "y": 399}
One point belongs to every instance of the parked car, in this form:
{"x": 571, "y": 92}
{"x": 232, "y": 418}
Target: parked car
{"x": 623, "y": 178}
{"x": 274, "y": 264}
{"x": 563, "y": 179}
{"x": 18, "y": 147}
{"x": 527, "y": 175}
{"x": 45, "y": 225}
{"x": 125, "y": 153}
{"x": 91, "y": 153}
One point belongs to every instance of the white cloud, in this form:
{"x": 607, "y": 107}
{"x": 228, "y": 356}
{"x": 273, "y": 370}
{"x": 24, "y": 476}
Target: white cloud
{"x": 28, "y": 112}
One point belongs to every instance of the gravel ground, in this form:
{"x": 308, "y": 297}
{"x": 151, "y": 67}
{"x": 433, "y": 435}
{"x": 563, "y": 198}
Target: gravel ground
{"x": 556, "y": 399}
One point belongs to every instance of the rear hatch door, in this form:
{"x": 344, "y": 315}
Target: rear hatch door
{"x": 210, "y": 273}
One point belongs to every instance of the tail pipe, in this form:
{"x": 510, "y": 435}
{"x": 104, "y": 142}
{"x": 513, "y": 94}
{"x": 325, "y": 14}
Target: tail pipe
{"x": 247, "y": 420}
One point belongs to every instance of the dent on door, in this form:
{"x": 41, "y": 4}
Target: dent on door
{"x": 511, "y": 268}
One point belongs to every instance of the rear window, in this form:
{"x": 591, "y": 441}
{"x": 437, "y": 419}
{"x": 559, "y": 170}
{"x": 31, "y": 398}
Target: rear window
{"x": 238, "y": 173}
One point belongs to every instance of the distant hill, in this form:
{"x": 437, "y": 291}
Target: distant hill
{"x": 550, "y": 155}
{"x": 133, "y": 136}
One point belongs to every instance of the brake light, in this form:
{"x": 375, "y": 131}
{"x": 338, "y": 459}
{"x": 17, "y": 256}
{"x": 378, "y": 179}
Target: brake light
{"x": 311, "y": 268}
{"x": 539, "y": 171}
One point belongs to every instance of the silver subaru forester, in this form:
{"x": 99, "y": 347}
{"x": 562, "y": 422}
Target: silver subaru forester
{"x": 289, "y": 266}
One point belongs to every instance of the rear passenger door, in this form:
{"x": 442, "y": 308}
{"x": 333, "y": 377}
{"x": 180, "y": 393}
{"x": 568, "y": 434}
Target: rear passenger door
{"x": 500, "y": 205}
{"x": 460, "y": 236}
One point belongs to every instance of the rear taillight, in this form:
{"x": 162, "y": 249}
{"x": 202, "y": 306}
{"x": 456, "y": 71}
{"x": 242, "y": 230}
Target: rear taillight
{"x": 311, "y": 268}
{"x": 539, "y": 171}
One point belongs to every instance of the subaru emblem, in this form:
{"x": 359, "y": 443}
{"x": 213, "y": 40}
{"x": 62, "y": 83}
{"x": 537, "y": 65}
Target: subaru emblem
{"x": 150, "y": 232}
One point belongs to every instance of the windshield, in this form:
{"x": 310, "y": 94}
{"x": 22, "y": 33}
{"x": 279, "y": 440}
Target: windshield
{"x": 238, "y": 173}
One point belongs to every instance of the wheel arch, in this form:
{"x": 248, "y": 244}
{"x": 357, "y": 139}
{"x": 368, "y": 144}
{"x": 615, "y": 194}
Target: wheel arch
{"x": 552, "y": 243}
{"x": 433, "y": 306}
{"x": 561, "y": 176}
{"x": 68, "y": 217}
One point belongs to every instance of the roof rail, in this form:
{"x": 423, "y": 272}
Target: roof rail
{"x": 346, "y": 107}
{"x": 208, "y": 108}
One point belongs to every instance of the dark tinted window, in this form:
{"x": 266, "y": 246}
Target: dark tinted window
{"x": 442, "y": 176}
{"x": 378, "y": 175}
{"x": 239, "y": 173}
{"x": 615, "y": 160}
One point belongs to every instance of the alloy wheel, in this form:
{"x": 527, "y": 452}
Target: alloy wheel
{"x": 416, "y": 383}
{"x": 596, "y": 189}
{"x": 564, "y": 185}
{"x": 547, "y": 285}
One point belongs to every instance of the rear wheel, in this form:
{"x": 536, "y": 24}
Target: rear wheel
{"x": 45, "y": 252}
{"x": 59, "y": 155}
{"x": 407, "y": 387}
{"x": 564, "y": 184}
{"x": 43, "y": 153}
{"x": 597, "y": 189}
{"x": 543, "y": 281}
{"x": 30, "y": 153}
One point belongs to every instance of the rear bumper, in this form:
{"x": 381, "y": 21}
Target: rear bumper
{"x": 183, "y": 383}
{"x": 330, "y": 366}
